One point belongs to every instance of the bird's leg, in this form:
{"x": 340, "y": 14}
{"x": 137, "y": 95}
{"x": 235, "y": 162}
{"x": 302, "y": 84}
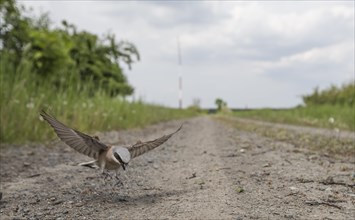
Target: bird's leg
{"x": 106, "y": 175}
{"x": 119, "y": 182}
{"x": 102, "y": 169}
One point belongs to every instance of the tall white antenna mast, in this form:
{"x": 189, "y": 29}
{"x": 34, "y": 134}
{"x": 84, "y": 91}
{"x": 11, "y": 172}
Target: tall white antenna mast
{"x": 180, "y": 73}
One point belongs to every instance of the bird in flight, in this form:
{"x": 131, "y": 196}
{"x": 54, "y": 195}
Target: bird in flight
{"x": 106, "y": 157}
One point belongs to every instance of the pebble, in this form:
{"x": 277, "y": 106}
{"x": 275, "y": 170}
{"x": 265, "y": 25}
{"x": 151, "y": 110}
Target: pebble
{"x": 313, "y": 157}
{"x": 17, "y": 208}
{"x": 79, "y": 204}
{"x": 58, "y": 202}
{"x": 289, "y": 216}
{"x": 267, "y": 165}
{"x": 35, "y": 201}
{"x": 239, "y": 190}
{"x": 30, "y": 153}
{"x": 293, "y": 188}
{"x": 329, "y": 189}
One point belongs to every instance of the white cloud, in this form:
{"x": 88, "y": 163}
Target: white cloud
{"x": 336, "y": 53}
{"x": 323, "y": 64}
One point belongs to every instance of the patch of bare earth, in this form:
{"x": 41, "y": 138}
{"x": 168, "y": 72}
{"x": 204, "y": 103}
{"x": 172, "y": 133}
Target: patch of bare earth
{"x": 209, "y": 170}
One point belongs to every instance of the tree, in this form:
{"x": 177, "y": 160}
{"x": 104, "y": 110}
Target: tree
{"x": 220, "y": 104}
{"x": 14, "y": 28}
{"x": 65, "y": 52}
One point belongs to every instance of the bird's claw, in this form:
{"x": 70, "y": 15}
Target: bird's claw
{"x": 106, "y": 176}
{"x": 119, "y": 182}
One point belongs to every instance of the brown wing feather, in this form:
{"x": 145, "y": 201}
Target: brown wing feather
{"x": 142, "y": 147}
{"x": 79, "y": 141}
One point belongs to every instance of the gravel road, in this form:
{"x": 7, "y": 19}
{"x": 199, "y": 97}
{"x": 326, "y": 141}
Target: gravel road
{"x": 209, "y": 170}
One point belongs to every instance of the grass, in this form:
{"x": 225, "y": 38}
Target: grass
{"x": 22, "y": 98}
{"x": 330, "y": 143}
{"x": 316, "y": 116}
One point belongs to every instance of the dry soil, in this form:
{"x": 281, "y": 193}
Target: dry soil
{"x": 209, "y": 170}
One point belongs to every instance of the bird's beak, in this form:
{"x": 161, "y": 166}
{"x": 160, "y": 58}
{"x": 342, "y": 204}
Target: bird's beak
{"x": 123, "y": 166}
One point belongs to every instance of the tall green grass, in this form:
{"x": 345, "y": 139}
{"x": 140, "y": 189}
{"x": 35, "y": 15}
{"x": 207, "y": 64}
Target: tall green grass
{"x": 327, "y": 116}
{"x": 22, "y": 97}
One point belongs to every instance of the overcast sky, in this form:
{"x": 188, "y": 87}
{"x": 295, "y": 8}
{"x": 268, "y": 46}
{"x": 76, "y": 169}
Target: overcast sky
{"x": 250, "y": 54}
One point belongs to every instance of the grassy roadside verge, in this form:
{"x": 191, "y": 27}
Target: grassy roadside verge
{"x": 22, "y": 97}
{"x": 316, "y": 116}
{"x": 331, "y": 144}
{"x": 20, "y": 121}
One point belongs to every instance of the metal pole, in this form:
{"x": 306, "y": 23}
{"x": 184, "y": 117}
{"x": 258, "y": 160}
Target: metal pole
{"x": 180, "y": 73}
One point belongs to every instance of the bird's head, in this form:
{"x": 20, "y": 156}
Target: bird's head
{"x": 122, "y": 156}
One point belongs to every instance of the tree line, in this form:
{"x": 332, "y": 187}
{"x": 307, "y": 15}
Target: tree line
{"x": 63, "y": 55}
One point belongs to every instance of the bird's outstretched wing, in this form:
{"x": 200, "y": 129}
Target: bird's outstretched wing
{"x": 79, "y": 141}
{"x": 142, "y": 147}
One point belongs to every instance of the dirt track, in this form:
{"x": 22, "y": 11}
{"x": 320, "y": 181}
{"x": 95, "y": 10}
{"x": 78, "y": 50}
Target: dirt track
{"x": 209, "y": 170}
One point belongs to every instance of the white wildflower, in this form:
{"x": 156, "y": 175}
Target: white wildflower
{"x": 331, "y": 120}
{"x": 41, "y": 118}
{"x": 30, "y": 105}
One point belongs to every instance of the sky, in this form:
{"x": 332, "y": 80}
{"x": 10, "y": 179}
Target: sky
{"x": 250, "y": 54}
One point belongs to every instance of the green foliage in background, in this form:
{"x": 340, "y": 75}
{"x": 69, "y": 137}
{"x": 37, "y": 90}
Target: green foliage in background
{"x": 343, "y": 95}
{"x": 74, "y": 75}
{"x": 62, "y": 56}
